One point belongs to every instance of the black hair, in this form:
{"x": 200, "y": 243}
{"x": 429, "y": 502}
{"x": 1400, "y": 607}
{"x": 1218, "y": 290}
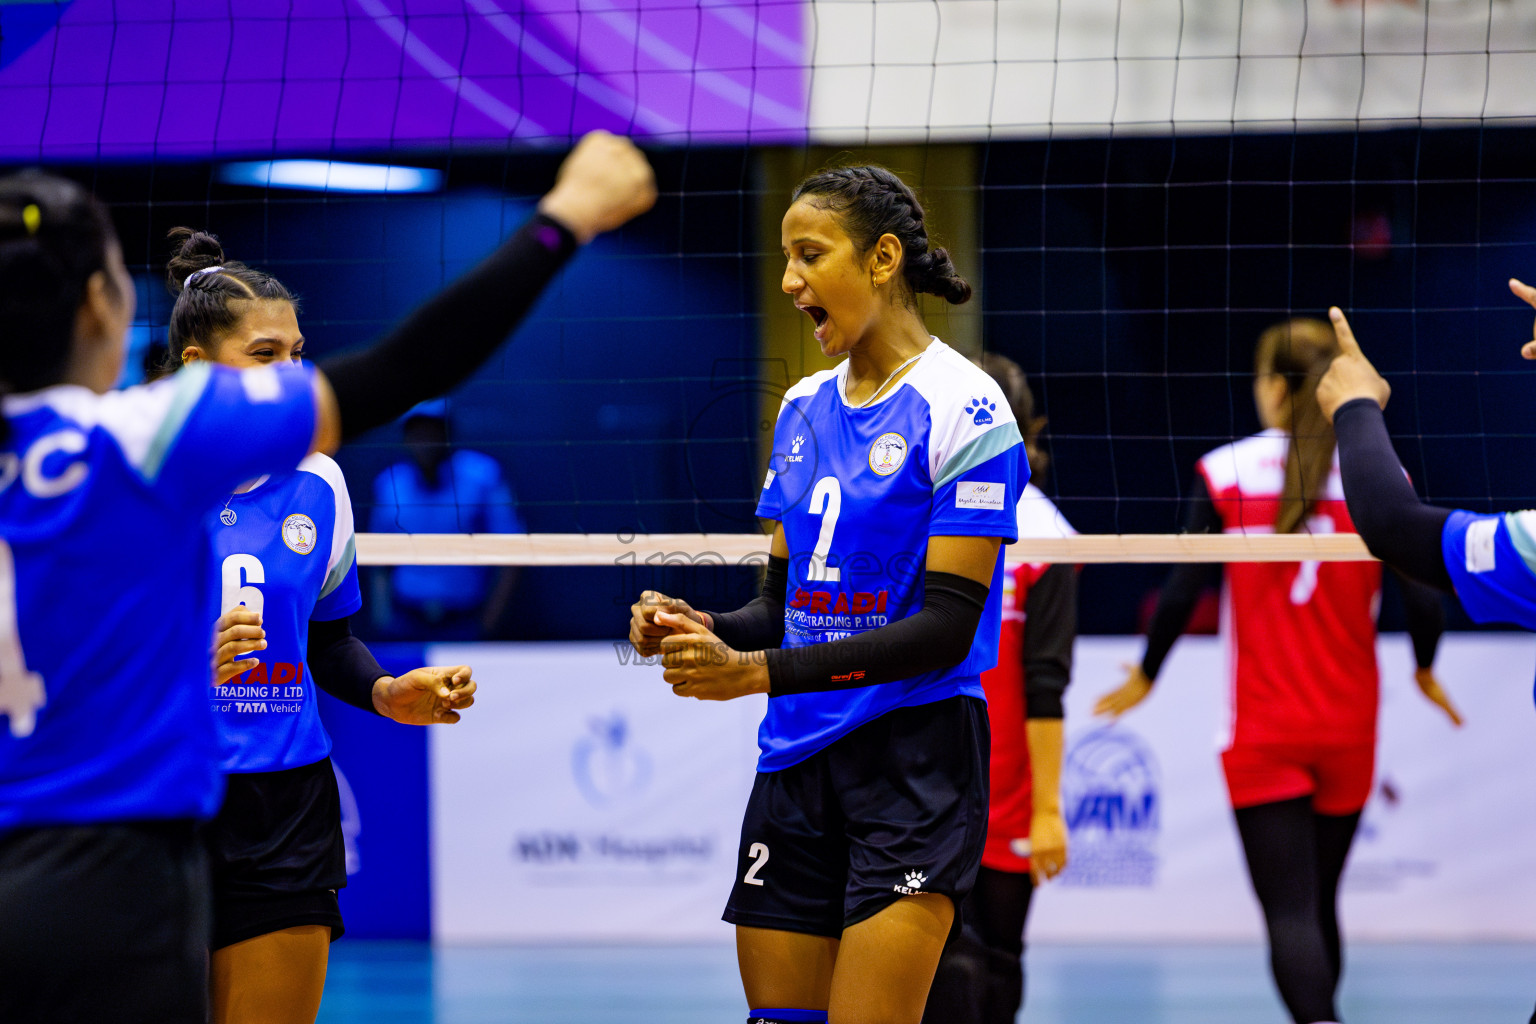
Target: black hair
{"x": 210, "y": 292}
{"x": 53, "y": 236}
{"x": 871, "y": 201}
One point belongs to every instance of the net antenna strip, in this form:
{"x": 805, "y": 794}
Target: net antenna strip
{"x": 575, "y": 549}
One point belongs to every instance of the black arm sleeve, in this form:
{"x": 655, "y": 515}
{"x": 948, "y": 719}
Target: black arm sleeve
{"x": 451, "y": 334}
{"x": 341, "y": 664}
{"x": 1050, "y": 626}
{"x": 1425, "y": 613}
{"x": 759, "y": 624}
{"x": 1396, "y": 526}
{"x": 936, "y": 636}
{"x": 1185, "y": 583}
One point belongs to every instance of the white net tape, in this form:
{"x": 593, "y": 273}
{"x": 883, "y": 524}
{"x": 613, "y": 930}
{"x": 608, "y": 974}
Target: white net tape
{"x": 736, "y": 549}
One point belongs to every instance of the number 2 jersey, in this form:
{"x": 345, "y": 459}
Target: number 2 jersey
{"x": 104, "y": 627}
{"x": 859, "y": 491}
{"x": 286, "y": 548}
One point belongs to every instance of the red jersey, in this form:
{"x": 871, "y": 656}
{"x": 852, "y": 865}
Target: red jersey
{"x": 1301, "y": 636}
{"x": 1011, "y": 805}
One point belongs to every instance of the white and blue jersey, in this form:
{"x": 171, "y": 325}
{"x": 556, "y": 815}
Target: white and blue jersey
{"x": 285, "y": 548}
{"x": 859, "y": 491}
{"x": 104, "y": 628}
{"x": 1492, "y": 563}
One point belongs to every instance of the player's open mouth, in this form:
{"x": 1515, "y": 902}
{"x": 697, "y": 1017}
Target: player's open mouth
{"x": 819, "y": 315}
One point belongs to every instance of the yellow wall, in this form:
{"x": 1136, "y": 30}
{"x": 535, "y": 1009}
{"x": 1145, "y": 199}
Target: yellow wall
{"x": 945, "y": 178}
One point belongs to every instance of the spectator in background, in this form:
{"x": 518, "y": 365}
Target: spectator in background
{"x": 439, "y": 490}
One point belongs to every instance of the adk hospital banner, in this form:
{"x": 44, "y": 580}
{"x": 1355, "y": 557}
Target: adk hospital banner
{"x": 581, "y": 801}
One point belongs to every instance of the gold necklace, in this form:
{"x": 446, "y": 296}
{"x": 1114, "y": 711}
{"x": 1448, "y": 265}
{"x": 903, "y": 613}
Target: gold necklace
{"x": 883, "y": 383}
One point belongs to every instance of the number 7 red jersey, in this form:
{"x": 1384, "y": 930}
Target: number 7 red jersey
{"x": 1301, "y": 636}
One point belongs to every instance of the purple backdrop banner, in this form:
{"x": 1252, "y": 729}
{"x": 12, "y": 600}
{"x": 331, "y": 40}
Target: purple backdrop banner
{"x": 106, "y": 79}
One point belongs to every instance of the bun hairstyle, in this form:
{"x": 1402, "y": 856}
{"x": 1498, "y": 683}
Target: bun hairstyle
{"x": 1301, "y": 350}
{"x": 1021, "y": 400}
{"x": 211, "y": 292}
{"x": 872, "y": 201}
{"x": 53, "y": 236}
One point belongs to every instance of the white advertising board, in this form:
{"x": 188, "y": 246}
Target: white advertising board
{"x": 1444, "y": 848}
{"x": 581, "y": 801}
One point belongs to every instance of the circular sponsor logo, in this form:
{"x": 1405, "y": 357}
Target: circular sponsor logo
{"x": 299, "y": 533}
{"x": 887, "y": 453}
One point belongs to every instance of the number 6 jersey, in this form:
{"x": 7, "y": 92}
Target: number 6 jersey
{"x": 286, "y": 549}
{"x": 859, "y": 491}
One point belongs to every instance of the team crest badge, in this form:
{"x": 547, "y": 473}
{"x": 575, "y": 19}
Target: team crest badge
{"x": 887, "y": 453}
{"x": 299, "y": 533}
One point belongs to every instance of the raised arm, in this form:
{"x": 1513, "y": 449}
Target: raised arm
{"x": 602, "y": 184}
{"x": 1395, "y": 525}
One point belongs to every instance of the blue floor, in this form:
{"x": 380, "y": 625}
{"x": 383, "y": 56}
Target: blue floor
{"x": 410, "y": 983}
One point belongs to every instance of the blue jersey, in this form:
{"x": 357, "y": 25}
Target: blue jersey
{"x": 859, "y": 491}
{"x": 104, "y": 628}
{"x": 471, "y": 496}
{"x": 1492, "y": 563}
{"x": 285, "y": 548}
{"x": 1491, "y": 560}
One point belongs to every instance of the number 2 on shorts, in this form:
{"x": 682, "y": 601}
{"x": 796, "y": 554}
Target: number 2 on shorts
{"x": 759, "y": 854}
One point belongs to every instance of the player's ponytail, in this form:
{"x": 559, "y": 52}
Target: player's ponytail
{"x": 54, "y": 235}
{"x": 211, "y": 291}
{"x": 871, "y": 201}
{"x": 1301, "y": 350}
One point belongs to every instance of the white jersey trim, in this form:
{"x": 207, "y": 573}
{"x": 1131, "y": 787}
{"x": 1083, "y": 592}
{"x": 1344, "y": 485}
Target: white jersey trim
{"x": 343, "y": 535}
{"x": 1039, "y": 516}
{"x": 144, "y": 421}
{"x": 1255, "y": 465}
{"x": 958, "y": 392}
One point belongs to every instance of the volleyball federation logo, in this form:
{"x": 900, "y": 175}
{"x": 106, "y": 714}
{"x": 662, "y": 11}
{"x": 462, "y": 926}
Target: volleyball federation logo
{"x": 1109, "y": 790}
{"x": 299, "y": 533}
{"x": 887, "y": 453}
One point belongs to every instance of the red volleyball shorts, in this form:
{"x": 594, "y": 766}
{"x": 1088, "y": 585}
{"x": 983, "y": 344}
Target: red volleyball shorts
{"x": 1336, "y": 777}
{"x": 1011, "y": 804}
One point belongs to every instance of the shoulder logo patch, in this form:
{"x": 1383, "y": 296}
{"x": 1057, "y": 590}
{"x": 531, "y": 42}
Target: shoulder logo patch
{"x": 981, "y": 495}
{"x": 299, "y": 533}
{"x": 887, "y": 453}
{"x": 980, "y": 410}
{"x": 1481, "y": 550}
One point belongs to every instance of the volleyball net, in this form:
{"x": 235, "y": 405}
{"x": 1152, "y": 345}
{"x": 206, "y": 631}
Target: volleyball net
{"x": 1135, "y": 189}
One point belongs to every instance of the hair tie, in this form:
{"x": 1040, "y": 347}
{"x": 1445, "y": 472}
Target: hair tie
{"x": 32, "y": 217}
{"x": 197, "y": 274}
